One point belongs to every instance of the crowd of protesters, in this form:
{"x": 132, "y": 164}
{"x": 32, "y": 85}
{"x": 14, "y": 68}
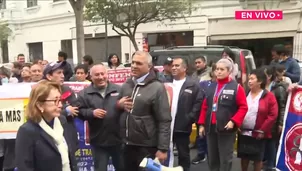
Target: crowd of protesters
{"x": 139, "y": 119}
{"x": 253, "y": 115}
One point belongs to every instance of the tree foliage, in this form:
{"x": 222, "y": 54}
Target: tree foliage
{"x": 126, "y": 15}
{"x": 5, "y": 32}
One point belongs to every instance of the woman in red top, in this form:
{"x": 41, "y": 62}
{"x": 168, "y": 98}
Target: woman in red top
{"x": 222, "y": 112}
{"x": 258, "y": 122}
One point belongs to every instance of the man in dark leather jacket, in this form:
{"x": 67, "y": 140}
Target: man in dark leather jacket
{"x": 146, "y": 118}
{"x": 187, "y": 99}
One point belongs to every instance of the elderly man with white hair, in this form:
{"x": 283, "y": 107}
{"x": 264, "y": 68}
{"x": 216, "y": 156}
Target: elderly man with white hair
{"x": 146, "y": 118}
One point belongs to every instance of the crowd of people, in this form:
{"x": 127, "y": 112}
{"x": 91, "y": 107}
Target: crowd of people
{"x": 60, "y": 71}
{"x": 228, "y": 112}
{"x": 139, "y": 119}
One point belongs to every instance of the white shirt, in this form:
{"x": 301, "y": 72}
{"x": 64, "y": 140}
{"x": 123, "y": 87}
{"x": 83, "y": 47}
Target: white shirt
{"x": 176, "y": 90}
{"x": 288, "y": 80}
{"x": 249, "y": 121}
{"x": 177, "y": 84}
{"x": 235, "y": 71}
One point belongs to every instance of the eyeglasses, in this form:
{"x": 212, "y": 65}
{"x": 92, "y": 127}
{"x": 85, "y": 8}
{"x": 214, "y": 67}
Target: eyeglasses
{"x": 56, "y": 101}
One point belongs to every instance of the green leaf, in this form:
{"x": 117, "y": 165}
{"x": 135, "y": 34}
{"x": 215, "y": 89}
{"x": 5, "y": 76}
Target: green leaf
{"x": 128, "y": 14}
{"x": 5, "y": 31}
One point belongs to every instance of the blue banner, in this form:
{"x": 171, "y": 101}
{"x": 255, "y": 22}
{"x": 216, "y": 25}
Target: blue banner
{"x": 289, "y": 157}
{"x": 84, "y": 153}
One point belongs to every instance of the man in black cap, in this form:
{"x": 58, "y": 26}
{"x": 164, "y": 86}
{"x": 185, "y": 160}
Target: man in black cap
{"x": 166, "y": 75}
{"x": 54, "y": 71}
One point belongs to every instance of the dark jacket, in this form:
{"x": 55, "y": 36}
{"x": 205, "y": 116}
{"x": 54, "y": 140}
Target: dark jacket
{"x": 165, "y": 78}
{"x": 280, "y": 91}
{"x": 9, "y": 154}
{"x": 149, "y": 122}
{"x": 67, "y": 71}
{"x": 36, "y": 150}
{"x": 69, "y": 98}
{"x": 204, "y": 85}
{"x": 188, "y": 108}
{"x": 292, "y": 69}
{"x": 103, "y": 132}
{"x": 231, "y": 106}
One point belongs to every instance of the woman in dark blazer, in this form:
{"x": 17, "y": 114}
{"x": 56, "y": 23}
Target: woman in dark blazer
{"x": 42, "y": 143}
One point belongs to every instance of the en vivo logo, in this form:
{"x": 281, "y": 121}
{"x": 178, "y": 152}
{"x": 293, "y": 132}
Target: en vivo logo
{"x": 259, "y": 15}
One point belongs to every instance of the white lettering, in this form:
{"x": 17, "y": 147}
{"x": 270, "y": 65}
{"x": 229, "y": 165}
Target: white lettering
{"x": 76, "y": 88}
{"x": 249, "y": 15}
{"x": 243, "y": 15}
{"x": 258, "y": 15}
{"x": 265, "y": 15}
{"x": 246, "y": 15}
{"x": 272, "y": 15}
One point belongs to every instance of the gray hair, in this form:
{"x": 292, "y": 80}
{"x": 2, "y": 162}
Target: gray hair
{"x": 93, "y": 68}
{"x": 228, "y": 64}
{"x": 146, "y": 54}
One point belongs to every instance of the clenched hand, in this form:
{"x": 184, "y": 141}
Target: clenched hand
{"x": 99, "y": 113}
{"x": 73, "y": 110}
{"x": 161, "y": 156}
{"x": 126, "y": 103}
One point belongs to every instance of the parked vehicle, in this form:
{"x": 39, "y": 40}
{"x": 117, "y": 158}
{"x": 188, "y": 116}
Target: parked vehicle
{"x": 243, "y": 57}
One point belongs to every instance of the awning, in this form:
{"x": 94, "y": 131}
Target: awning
{"x": 231, "y": 29}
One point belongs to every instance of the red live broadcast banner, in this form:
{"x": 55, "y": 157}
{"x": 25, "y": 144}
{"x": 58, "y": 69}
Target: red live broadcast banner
{"x": 259, "y": 15}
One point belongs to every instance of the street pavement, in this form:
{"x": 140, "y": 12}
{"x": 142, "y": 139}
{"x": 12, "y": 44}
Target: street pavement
{"x": 204, "y": 166}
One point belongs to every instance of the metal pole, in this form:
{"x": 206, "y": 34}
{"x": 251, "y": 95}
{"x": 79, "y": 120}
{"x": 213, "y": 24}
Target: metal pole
{"x": 106, "y": 36}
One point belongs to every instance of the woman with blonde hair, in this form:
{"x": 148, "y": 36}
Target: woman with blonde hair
{"x": 42, "y": 142}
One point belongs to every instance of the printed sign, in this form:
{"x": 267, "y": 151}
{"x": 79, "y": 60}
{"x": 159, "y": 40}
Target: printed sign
{"x": 11, "y": 114}
{"x": 119, "y": 76}
{"x": 13, "y": 104}
{"x": 83, "y": 154}
{"x": 289, "y": 157}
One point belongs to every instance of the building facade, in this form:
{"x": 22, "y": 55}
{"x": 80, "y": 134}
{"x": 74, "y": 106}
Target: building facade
{"x": 41, "y": 28}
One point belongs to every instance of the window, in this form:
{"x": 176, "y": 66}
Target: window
{"x": 35, "y": 50}
{"x": 3, "y": 4}
{"x": 4, "y": 47}
{"x": 32, "y": 3}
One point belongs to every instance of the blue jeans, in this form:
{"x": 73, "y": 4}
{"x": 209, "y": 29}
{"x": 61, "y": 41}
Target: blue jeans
{"x": 271, "y": 147}
{"x": 201, "y": 143}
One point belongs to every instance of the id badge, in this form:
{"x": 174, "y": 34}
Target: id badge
{"x": 214, "y": 107}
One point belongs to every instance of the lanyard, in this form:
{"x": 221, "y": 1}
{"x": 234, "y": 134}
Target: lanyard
{"x": 271, "y": 85}
{"x": 215, "y": 98}
{"x": 218, "y": 93}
